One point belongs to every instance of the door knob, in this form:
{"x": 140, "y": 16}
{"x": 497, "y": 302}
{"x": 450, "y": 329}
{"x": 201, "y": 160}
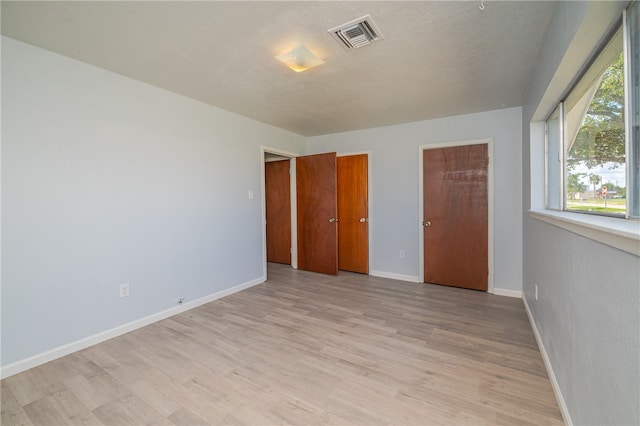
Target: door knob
{"x": 333, "y": 219}
{"x": 426, "y": 223}
{"x": 363, "y": 220}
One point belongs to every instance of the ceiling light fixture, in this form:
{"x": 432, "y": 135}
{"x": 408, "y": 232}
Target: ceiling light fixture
{"x": 300, "y": 59}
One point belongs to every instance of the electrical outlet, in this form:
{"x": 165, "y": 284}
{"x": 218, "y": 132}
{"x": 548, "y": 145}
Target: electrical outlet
{"x": 124, "y": 290}
{"x": 180, "y": 300}
{"x": 401, "y": 254}
{"x": 536, "y": 292}
{"x": 250, "y": 194}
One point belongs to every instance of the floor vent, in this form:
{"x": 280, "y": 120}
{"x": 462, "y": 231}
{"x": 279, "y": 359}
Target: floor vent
{"x": 357, "y": 33}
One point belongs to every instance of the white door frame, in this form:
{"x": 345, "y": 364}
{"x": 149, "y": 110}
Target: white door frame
{"x": 490, "y": 202}
{"x": 294, "y": 219}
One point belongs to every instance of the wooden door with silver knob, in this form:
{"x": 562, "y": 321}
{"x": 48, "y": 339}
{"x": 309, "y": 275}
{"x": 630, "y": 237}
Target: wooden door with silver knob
{"x": 353, "y": 207}
{"x": 278, "y": 211}
{"x": 317, "y": 213}
{"x": 456, "y": 216}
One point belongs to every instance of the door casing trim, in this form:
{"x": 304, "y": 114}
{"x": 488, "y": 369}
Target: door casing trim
{"x": 292, "y": 180}
{"x": 490, "y": 203}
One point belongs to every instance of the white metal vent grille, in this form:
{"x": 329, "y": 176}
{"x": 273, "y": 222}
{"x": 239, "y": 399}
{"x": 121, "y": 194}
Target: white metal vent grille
{"x": 357, "y": 33}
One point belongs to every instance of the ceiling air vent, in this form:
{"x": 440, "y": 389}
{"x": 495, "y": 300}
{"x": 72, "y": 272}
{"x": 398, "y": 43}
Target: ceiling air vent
{"x": 357, "y": 33}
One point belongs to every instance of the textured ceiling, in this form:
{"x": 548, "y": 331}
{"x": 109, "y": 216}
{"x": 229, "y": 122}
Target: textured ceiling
{"x": 437, "y": 59}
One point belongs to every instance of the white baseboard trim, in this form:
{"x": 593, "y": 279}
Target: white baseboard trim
{"x": 547, "y": 363}
{"x": 400, "y": 277}
{"x": 507, "y": 292}
{"x": 60, "y": 351}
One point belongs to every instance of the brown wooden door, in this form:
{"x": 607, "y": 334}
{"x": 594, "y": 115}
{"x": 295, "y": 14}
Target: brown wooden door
{"x": 353, "y": 225}
{"x": 278, "y": 211}
{"x": 456, "y": 216}
{"x": 317, "y": 213}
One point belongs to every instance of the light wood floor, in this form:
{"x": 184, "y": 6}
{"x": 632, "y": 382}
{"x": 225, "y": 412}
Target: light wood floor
{"x": 305, "y": 349}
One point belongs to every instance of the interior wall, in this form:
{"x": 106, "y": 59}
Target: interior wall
{"x": 587, "y": 312}
{"x": 394, "y": 180}
{"x": 107, "y": 180}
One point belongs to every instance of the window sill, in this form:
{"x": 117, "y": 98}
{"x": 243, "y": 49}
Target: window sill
{"x": 619, "y": 233}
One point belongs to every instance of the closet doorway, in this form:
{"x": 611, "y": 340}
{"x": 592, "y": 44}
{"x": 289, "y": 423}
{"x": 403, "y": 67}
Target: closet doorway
{"x": 294, "y": 217}
{"x": 333, "y": 212}
{"x": 279, "y": 237}
{"x": 278, "y": 210}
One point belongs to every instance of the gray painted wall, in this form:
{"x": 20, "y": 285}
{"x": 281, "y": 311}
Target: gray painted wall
{"x": 588, "y": 308}
{"x": 395, "y": 179}
{"x": 106, "y": 180}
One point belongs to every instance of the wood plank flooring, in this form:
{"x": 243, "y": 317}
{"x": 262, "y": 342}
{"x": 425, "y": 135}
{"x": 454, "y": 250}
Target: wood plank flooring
{"x": 305, "y": 349}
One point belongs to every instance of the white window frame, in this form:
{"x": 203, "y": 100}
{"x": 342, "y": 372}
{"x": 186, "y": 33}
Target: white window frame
{"x": 618, "y": 232}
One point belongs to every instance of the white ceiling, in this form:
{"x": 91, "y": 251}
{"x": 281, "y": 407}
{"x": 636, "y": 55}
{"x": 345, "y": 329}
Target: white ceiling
{"x": 437, "y": 59}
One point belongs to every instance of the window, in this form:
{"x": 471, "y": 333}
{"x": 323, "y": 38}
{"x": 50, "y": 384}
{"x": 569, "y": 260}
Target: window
{"x": 633, "y": 71}
{"x": 554, "y": 159}
{"x": 593, "y": 142}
